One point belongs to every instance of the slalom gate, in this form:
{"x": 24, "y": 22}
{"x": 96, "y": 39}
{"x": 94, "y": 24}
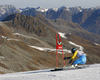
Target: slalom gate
{"x": 59, "y": 47}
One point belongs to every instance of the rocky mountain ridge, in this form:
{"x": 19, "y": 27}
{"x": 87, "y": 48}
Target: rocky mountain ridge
{"x": 86, "y": 18}
{"x": 6, "y": 10}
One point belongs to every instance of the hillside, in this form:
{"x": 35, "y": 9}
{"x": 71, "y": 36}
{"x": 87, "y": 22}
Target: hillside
{"x": 19, "y": 33}
{"x": 89, "y": 20}
{"x": 60, "y": 25}
{"x": 16, "y": 55}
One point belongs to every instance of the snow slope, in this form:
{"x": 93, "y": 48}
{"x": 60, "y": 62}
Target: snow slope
{"x": 89, "y": 73}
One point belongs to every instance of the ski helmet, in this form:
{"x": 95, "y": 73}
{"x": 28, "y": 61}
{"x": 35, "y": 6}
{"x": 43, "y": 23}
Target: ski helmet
{"x": 73, "y": 50}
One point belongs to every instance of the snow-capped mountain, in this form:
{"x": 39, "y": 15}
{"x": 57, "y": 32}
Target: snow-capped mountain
{"x": 41, "y": 9}
{"x": 8, "y": 9}
{"x": 72, "y": 9}
{"x": 5, "y": 10}
{"x": 64, "y": 7}
{"x": 95, "y": 8}
{"x": 24, "y": 9}
{"x": 55, "y": 9}
{"x": 76, "y": 9}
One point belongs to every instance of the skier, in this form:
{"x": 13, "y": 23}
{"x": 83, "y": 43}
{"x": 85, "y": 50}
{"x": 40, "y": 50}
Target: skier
{"x": 81, "y": 57}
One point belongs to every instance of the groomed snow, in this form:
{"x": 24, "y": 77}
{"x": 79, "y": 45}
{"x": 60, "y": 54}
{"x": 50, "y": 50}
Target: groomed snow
{"x": 89, "y": 73}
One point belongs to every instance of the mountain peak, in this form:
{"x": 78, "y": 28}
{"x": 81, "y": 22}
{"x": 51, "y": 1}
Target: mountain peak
{"x": 41, "y": 9}
{"x": 9, "y": 8}
{"x": 63, "y": 7}
{"x": 6, "y": 10}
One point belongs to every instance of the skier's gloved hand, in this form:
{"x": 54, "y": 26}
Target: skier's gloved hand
{"x": 66, "y": 58}
{"x": 70, "y": 61}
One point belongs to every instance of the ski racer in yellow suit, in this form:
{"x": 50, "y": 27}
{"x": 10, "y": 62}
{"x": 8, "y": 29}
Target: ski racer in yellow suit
{"x": 81, "y": 57}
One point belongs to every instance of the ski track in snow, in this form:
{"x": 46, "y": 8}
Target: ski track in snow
{"x": 89, "y": 73}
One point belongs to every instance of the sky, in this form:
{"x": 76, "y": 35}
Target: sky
{"x": 51, "y": 3}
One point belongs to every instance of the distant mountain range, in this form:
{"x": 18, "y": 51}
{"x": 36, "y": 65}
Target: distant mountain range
{"x": 86, "y": 18}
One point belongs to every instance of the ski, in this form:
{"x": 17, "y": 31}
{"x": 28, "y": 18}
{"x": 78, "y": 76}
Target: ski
{"x": 69, "y": 68}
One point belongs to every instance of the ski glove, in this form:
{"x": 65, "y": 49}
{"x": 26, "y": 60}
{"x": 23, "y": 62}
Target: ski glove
{"x": 70, "y": 61}
{"x": 66, "y": 58}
